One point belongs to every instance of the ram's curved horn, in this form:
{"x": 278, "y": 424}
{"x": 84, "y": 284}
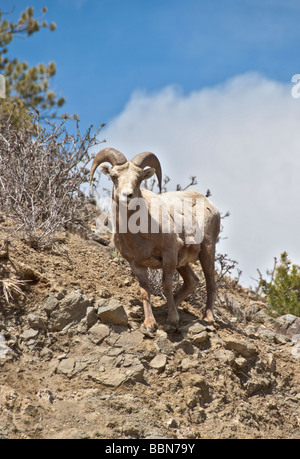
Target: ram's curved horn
{"x": 110, "y": 155}
{"x": 148, "y": 159}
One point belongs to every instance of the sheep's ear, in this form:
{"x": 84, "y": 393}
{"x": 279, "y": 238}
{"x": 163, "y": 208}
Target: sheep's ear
{"x": 148, "y": 173}
{"x": 105, "y": 169}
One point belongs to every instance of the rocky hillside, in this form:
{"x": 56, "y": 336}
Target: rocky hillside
{"x": 75, "y": 363}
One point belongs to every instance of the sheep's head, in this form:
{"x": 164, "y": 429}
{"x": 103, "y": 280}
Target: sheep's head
{"x": 127, "y": 175}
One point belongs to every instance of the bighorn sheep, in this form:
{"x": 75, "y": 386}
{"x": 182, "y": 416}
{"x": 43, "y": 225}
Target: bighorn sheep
{"x": 150, "y": 245}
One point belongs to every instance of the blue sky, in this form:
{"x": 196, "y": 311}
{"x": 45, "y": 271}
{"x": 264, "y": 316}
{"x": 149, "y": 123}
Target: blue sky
{"x": 106, "y": 49}
{"x": 206, "y": 85}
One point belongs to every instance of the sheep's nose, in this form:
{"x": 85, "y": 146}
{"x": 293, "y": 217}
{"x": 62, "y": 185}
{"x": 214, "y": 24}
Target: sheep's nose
{"x": 126, "y": 196}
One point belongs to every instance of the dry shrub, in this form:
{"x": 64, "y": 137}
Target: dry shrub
{"x": 42, "y": 170}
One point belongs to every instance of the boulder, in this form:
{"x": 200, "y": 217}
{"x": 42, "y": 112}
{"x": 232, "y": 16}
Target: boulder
{"x": 159, "y": 362}
{"x": 242, "y": 347}
{"x": 288, "y": 324}
{"x": 97, "y": 333}
{"x": 71, "y": 309}
{"x": 112, "y": 312}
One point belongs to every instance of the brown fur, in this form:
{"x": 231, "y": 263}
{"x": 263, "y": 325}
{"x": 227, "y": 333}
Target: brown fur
{"x": 166, "y": 251}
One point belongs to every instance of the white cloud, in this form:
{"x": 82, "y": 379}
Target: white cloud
{"x": 242, "y": 141}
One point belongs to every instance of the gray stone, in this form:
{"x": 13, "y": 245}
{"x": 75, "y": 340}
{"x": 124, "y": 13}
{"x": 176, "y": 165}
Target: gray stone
{"x": 5, "y": 351}
{"x": 225, "y": 356}
{"x": 50, "y": 304}
{"x": 112, "y": 312}
{"x": 114, "y": 377}
{"x": 296, "y": 350}
{"x": 242, "y": 347}
{"x": 130, "y": 340}
{"x": 186, "y": 346}
{"x": 91, "y": 317}
{"x": 240, "y": 362}
{"x": 163, "y": 344}
{"x": 135, "y": 372}
{"x": 66, "y": 366}
{"x": 172, "y": 423}
{"x": 200, "y": 338}
{"x": 97, "y": 333}
{"x": 159, "y": 362}
{"x": 288, "y": 324}
{"x": 194, "y": 328}
{"x": 30, "y": 333}
{"x": 36, "y": 322}
{"x": 189, "y": 364}
{"x": 72, "y": 308}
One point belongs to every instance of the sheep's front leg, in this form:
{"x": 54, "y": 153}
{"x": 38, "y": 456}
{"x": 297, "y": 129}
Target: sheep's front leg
{"x": 142, "y": 277}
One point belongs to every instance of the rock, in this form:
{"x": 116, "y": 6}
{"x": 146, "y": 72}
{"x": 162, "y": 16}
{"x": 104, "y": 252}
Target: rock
{"x": 281, "y": 339}
{"x": 266, "y": 333}
{"x": 91, "y": 317}
{"x": 66, "y": 366}
{"x": 186, "y": 346}
{"x": 225, "y": 356}
{"x": 189, "y": 364}
{"x": 28, "y": 334}
{"x": 130, "y": 340}
{"x": 97, "y": 333}
{"x": 159, "y": 362}
{"x": 257, "y": 384}
{"x": 252, "y": 310}
{"x": 200, "y": 338}
{"x": 50, "y": 304}
{"x": 36, "y": 322}
{"x": 163, "y": 344}
{"x": 234, "y": 306}
{"x": 72, "y": 308}
{"x": 250, "y": 330}
{"x": 242, "y": 347}
{"x": 296, "y": 350}
{"x": 69, "y": 434}
{"x": 104, "y": 293}
{"x": 46, "y": 353}
{"x": 135, "y": 372}
{"x": 112, "y": 312}
{"x": 288, "y": 324}
{"x": 172, "y": 423}
{"x": 193, "y": 328}
{"x": 5, "y": 351}
{"x": 240, "y": 362}
{"x": 114, "y": 377}
{"x": 46, "y": 395}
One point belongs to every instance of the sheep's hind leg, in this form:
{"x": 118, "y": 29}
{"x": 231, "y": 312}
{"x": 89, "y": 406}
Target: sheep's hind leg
{"x": 207, "y": 260}
{"x": 142, "y": 276}
{"x": 190, "y": 280}
{"x": 167, "y": 283}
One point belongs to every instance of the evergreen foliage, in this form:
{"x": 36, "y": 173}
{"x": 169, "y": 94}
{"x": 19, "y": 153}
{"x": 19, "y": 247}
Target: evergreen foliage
{"x": 27, "y": 88}
{"x": 283, "y": 287}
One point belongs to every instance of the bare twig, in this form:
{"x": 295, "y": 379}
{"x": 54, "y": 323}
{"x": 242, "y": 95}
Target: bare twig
{"x": 41, "y": 174}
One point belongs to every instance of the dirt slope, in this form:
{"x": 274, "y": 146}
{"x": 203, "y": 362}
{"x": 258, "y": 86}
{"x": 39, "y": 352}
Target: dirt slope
{"x": 237, "y": 378}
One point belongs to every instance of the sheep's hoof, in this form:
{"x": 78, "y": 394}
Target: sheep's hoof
{"x": 171, "y": 327}
{"x": 208, "y": 316}
{"x": 150, "y": 326}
